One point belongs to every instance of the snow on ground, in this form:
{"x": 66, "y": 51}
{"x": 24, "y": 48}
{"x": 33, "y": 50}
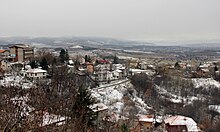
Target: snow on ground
{"x": 11, "y": 81}
{"x": 197, "y": 83}
{"x": 215, "y": 107}
{"x": 205, "y": 82}
{"x": 174, "y": 98}
{"x": 22, "y": 103}
{"x": 112, "y": 96}
{"x": 15, "y": 81}
{"x": 52, "y": 118}
{"x": 26, "y": 110}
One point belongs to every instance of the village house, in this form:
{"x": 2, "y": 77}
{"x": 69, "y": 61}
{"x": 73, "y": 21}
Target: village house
{"x": 133, "y": 63}
{"x": 36, "y": 73}
{"x": 123, "y": 71}
{"x": 203, "y": 70}
{"x": 143, "y": 65}
{"x": 101, "y": 72}
{"x": 117, "y": 74}
{"x": 21, "y": 52}
{"x": 138, "y": 71}
{"x": 104, "y": 73}
{"x": 181, "y": 124}
{"x": 146, "y": 122}
{"x": 5, "y": 65}
{"x": 4, "y": 53}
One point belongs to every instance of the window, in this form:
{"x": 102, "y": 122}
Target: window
{"x": 35, "y": 74}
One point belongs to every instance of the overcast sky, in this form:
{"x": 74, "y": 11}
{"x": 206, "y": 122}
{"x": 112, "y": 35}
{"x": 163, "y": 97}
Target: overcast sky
{"x": 127, "y": 19}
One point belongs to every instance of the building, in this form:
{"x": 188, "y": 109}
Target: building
{"x": 181, "y": 124}
{"x": 5, "y": 65}
{"x": 147, "y": 122}
{"x": 36, "y": 73}
{"x": 21, "y": 52}
{"x": 4, "y": 53}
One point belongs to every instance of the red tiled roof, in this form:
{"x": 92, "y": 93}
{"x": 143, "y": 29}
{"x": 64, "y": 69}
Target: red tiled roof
{"x": 104, "y": 61}
{"x": 2, "y": 51}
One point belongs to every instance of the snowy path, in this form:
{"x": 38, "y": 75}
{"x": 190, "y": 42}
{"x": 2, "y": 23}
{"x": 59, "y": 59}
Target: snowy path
{"x": 113, "y": 84}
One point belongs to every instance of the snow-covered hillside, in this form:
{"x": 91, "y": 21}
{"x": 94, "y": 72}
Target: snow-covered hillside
{"x": 15, "y": 81}
{"x": 205, "y": 83}
{"x": 112, "y": 96}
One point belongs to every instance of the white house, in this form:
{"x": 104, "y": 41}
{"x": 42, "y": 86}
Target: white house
{"x": 117, "y": 74}
{"x": 36, "y": 73}
{"x": 5, "y": 65}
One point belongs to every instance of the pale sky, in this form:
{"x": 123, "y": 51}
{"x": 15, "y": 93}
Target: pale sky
{"x": 125, "y": 19}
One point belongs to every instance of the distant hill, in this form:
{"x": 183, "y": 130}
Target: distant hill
{"x": 203, "y": 45}
{"x": 66, "y": 41}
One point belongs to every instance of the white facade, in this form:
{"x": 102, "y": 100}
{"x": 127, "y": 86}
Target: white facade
{"x": 5, "y": 65}
{"x": 36, "y": 73}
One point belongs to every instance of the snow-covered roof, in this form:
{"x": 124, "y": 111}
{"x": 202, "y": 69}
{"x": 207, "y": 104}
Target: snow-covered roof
{"x": 215, "y": 108}
{"x": 52, "y": 118}
{"x": 148, "y": 118}
{"x": 151, "y": 66}
{"x": 204, "y": 66}
{"x": 119, "y": 71}
{"x": 98, "y": 107}
{"x": 117, "y": 65}
{"x": 137, "y": 70}
{"x": 70, "y": 62}
{"x": 82, "y": 69}
{"x": 36, "y": 70}
{"x": 190, "y": 124}
{"x": 28, "y": 66}
{"x": 205, "y": 70}
{"x": 122, "y": 68}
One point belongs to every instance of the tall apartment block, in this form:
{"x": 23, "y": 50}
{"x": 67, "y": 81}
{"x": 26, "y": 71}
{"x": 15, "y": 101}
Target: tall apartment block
{"x": 21, "y": 52}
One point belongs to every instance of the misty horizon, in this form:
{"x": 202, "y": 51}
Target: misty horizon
{"x": 145, "y": 20}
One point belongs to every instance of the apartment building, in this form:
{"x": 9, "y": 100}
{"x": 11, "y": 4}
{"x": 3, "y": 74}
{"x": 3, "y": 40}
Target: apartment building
{"x": 21, "y": 52}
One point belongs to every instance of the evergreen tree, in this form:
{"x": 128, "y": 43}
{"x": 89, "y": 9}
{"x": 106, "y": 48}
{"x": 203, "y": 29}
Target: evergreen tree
{"x": 177, "y": 66}
{"x": 124, "y": 128}
{"x": 115, "y": 61}
{"x": 216, "y": 68}
{"x": 44, "y": 64}
{"x": 87, "y": 58}
{"x": 33, "y": 64}
{"x": 76, "y": 64}
{"x": 64, "y": 56}
{"x": 81, "y": 111}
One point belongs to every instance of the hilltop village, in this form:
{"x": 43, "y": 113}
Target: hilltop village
{"x": 90, "y": 89}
